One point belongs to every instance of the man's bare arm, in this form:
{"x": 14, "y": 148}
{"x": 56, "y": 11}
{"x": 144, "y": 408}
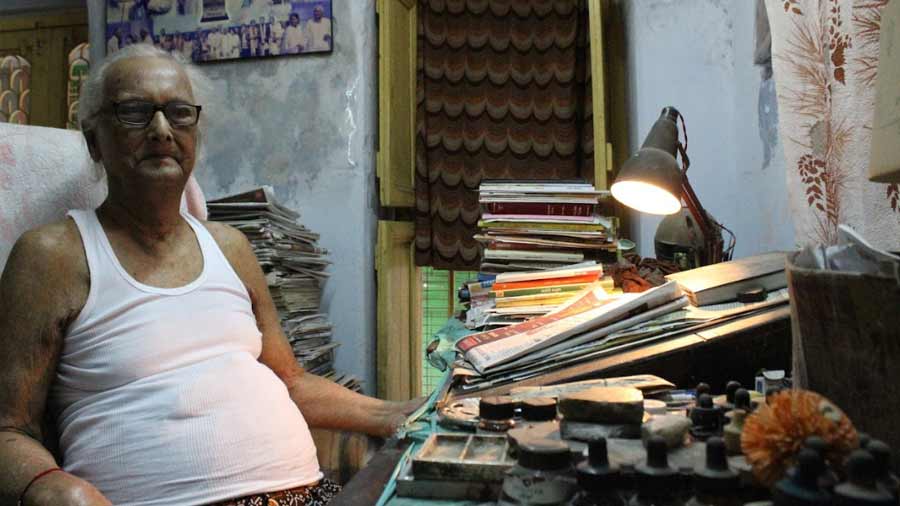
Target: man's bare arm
{"x": 324, "y": 404}
{"x": 42, "y": 288}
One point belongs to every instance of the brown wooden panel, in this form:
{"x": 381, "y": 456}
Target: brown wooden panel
{"x": 45, "y": 41}
{"x": 399, "y": 363}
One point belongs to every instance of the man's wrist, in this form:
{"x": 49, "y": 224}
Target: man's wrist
{"x": 390, "y": 417}
{"x": 34, "y": 480}
{"x": 63, "y": 488}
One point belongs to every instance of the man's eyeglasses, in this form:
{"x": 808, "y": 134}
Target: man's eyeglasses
{"x": 139, "y": 113}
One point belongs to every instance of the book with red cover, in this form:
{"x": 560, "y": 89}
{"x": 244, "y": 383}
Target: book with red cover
{"x": 541, "y": 208}
{"x": 584, "y": 278}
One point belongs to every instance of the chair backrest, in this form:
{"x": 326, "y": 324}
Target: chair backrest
{"x": 44, "y": 172}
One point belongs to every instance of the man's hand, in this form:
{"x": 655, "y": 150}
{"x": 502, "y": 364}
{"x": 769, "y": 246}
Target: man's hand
{"x": 63, "y": 489}
{"x": 397, "y": 413}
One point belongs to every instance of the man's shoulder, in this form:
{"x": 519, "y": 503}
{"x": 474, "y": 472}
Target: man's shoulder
{"x": 234, "y": 246}
{"x": 53, "y": 240}
{"x": 54, "y": 250}
{"x": 231, "y": 240}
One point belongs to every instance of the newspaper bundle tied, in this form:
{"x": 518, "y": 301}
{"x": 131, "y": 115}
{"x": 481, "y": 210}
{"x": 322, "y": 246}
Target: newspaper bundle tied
{"x": 592, "y": 310}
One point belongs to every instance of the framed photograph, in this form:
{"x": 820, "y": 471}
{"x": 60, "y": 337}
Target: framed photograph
{"x": 214, "y": 30}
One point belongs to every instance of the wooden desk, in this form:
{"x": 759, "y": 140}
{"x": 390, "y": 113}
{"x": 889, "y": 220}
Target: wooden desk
{"x": 735, "y": 350}
{"x": 365, "y": 488}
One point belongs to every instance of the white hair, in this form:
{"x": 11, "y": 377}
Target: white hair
{"x": 93, "y": 91}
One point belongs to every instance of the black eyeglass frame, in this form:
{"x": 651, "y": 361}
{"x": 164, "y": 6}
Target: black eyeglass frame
{"x": 156, "y": 107}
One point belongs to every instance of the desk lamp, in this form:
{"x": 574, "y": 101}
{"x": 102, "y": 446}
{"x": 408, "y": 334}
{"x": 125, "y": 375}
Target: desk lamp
{"x": 652, "y": 182}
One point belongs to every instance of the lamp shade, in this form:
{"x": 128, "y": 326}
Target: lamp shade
{"x": 651, "y": 180}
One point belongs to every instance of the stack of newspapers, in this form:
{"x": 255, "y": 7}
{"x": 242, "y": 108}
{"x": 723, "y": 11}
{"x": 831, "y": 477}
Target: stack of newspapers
{"x": 592, "y": 324}
{"x": 295, "y": 268}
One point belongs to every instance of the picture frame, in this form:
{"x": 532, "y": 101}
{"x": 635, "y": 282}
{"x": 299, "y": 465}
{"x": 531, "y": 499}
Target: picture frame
{"x": 217, "y": 30}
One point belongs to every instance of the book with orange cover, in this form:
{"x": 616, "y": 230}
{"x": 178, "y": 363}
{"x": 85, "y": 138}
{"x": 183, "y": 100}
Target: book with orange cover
{"x": 584, "y": 278}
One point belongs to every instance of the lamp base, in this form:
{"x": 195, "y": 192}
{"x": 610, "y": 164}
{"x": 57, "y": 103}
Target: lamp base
{"x": 679, "y": 240}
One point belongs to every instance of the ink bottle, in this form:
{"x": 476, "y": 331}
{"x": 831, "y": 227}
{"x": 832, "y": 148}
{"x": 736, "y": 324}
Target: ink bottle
{"x": 731, "y": 389}
{"x": 658, "y": 484}
{"x": 715, "y": 484}
{"x": 801, "y": 486}
{"x": 599, "y": 482}
{"x": 828, "y": 479}
{"x": 861, "y": 487}
{"x": 542, "y": 475}
{"x": 706, "y": 418}
{"x": 885, "y": 476}
{"x": 496, "y": 414}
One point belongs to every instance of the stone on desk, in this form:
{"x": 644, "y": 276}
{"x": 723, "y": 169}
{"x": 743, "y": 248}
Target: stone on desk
{"x": 604, "y": 405}
{"x": 672, "y": 428}
{"x": 591, "y": 432}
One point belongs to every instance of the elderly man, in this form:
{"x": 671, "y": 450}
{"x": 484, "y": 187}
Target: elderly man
{"x": 150, "y": 338}
{"x": 318, "y": 31}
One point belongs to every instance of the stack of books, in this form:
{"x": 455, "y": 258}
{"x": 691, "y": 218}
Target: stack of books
{"x": 514, "y": 297}
{"x": 295, "y": 267}
{"x": 537, "y": 225}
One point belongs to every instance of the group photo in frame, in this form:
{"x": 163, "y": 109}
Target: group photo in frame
{"x": 216, "y": 30}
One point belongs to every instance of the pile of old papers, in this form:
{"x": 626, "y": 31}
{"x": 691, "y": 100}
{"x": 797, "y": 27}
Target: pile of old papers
{"x": 295, "y": 267}
{"x": 596, "y": 324}
{"x": 533, "y": 225}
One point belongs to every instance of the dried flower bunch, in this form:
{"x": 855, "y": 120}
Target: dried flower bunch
{"x": 774, "y": 434}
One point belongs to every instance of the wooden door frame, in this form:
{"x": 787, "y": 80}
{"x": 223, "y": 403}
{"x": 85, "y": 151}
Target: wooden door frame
{"x": 399, "y": 343}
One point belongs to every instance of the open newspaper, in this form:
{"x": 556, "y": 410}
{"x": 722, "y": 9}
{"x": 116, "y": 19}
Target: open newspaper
{"x": 605, "y": 341}
{"x": 592, "y": 310}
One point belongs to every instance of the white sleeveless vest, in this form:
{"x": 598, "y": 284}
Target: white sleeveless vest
{"x": 159, "y": 397}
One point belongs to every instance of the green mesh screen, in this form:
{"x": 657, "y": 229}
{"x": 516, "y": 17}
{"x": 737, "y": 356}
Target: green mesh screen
{"x": 438, "y": 305}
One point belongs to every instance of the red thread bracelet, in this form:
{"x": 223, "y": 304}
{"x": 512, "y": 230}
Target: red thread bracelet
{"x": 36, "y": 478}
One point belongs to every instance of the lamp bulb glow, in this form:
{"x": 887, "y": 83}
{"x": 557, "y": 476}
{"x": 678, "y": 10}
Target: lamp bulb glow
{"x": 645, "y": 198}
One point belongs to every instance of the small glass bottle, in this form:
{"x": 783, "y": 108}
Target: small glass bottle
{"x": 706, "y": 418}
{"x": 801, "y": 486}
{"x": 828, "y": 479}
{"x": 658, "y": 484}
{"x": 600, "y": 483}
{"x": 496, "y": 414}
{"x": 541, "y": 476}
{"x": 715, "y": 484}
{"x": 731, "y": 389}
{"x": 732, "y": 432}
{"x": 886, "y": 477}
{"x": 861, "y": 487}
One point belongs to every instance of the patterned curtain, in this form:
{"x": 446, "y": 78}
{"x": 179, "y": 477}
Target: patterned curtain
{"x": 503, "y": 92}
{"x": 825, "y": 60}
